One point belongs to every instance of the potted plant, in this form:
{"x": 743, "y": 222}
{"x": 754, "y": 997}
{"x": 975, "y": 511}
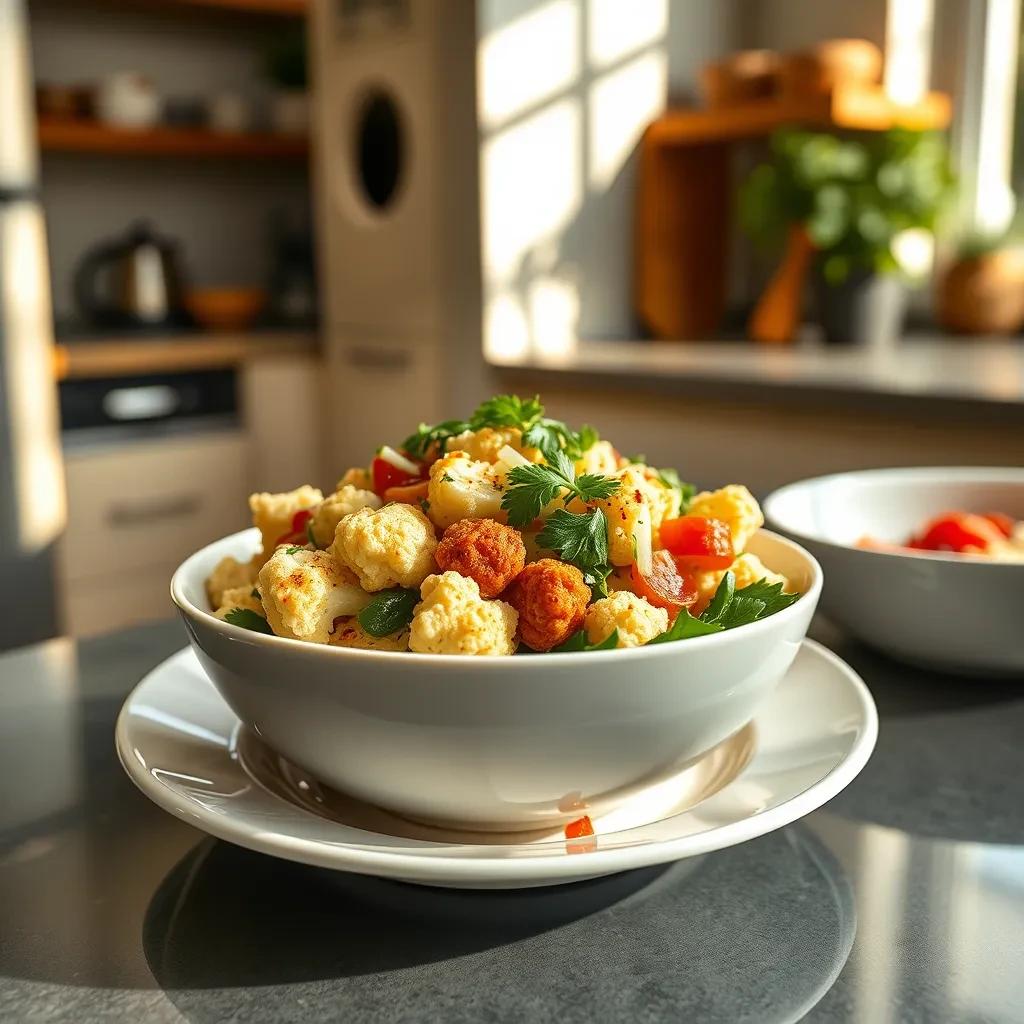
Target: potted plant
{"x": 286, "y": 69}
{"x": 846, "y": 202}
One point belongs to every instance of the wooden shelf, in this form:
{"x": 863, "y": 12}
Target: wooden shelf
{"x": 860, "y": 108}
{"x": 71, "y": 136}
{"x": 127, "y": 356}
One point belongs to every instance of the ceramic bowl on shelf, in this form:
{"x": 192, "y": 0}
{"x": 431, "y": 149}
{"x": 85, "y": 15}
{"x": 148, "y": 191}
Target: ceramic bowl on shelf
{"x": 503, "y": 743}
{"x": 225, "y": 309}
{"x": 959, "y": 613}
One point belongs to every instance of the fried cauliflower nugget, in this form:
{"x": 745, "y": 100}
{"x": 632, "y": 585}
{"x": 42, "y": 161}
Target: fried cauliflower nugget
{"x": 348, "y": 633}
{"x": 637, "y": 621}
{"x": 551, "y": 598}
{"x": 485, "y": 551}
{"x": 734, "y": 505}
{"x": 343, "y": 502}
{"x": 230, "y": 574}
{"x": 273, "y": 513}
{"x": 240, "y": 597}
{"x": 463, "y": 488}
{"x": 453, "y": 618}
{"x": 391, "y": 546}
{"x": 305, "y": 591}
{"x": 747, "y": 568}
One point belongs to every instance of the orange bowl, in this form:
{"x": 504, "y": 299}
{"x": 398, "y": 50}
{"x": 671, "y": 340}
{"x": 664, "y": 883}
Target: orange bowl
{"x": 225, "y": 309}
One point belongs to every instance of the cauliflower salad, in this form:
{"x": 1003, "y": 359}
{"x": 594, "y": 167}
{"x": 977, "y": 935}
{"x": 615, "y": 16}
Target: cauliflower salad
{"x": 505, "y": 533}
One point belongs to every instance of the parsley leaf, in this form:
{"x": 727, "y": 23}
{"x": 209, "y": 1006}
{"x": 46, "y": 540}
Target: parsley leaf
{"x": 579, "y": 642}
{"x": 684, "y": 627}
{"x": 580, "y": 538}
{"x": 591, "y": 487}
{"x": 597, "y": 579}
{"x": 416, "y": 445}
{"x": 533, "y": 487}
{"x": 742, "y": 610}
{"x": 248, "y": 619}
{"x": 389, "y": 611}
{"x": 722, "y": 599}
{"x": 507, "y": 411}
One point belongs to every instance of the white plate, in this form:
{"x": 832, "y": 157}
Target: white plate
{"x": 184, "y": 748}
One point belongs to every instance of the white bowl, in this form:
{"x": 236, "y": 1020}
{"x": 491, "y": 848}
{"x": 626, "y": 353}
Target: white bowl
{"x": 502, "y": 743}
{"x": 960, "y": 613}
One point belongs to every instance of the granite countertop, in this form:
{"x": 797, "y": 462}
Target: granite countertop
{"x": 972, "y": 374}
{"x": 901, "y": 900}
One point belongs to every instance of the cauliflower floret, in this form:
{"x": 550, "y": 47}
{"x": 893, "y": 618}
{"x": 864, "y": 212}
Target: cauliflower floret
{"x": 748, "y": 569}
{"x": 343, "y": 502}
{"x": 463, "y": 488}
{"x": 357, "y": 476}
{"x": 348, "y": 633}
{"x": 230, "y": 574}
{"x": 736, "y": 506}
{"x": 637, "y": 621}
{"x": 305, "y": 591}
{"x": 240, "y": 597}
{"x": 484, "y": 445}
{"x": 600, "y": 458}
{"x": 273, "y": 513}
{"x": 391, "y": 546}
{"x": 453, "y": 618}
{"x": 625, "y": 509}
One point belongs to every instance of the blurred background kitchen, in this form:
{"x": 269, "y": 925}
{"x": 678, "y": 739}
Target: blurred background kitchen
{"x": 244, "y": 242}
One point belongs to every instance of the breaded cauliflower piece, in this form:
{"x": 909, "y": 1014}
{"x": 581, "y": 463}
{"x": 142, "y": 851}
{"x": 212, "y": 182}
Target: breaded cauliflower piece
{"x": 453, "y": 618}
{"x": 391, "y": 546}
{"x": 551, "y": 598}
{"x": 748, "y": 569}
{"x": 230, "y": 574}
{"x": 358, "y": 476}
{"x": 601, "y": 458}
{"x": 348, "y": 633}
{"x": 734, "y": 505}
{"x": 240, "y": 597}
{"x": 305, "y": 591}
{"x": 625, "y": 509}
{"x": 637, "y": 621}
{"x": 273, "y": 513}
{"x": 343, "y": 502}
{"x": 485, "y": 551}
{"x": 463, "y": 488}
{"x": 484, "y": 445}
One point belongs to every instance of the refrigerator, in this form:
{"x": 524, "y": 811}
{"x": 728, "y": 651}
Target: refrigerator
{"x": 32, "y": 498}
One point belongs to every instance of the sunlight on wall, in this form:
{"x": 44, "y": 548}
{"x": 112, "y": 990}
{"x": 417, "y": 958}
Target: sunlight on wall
{"x": 532, "y": 186}
{"x": 506, "y": 332}
{"x": 908, "y": 48}
{"x": 554, "y": 305}
{"x": 528, "y": 61}
{"x": 617, "y": 29}
{"x": 620, "y": 106}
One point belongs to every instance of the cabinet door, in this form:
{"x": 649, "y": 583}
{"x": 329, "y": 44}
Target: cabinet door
{"x": 152, "y": 503}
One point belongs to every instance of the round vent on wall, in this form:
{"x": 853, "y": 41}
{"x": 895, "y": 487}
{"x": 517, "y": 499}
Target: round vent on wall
{"x": 379, "y": 149}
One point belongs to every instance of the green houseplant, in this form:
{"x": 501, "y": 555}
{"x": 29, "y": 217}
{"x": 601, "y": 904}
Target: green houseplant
{"x": 853, "y": 197}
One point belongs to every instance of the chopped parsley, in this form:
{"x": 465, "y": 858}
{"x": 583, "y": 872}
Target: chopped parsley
{"x": 582, "y": 539}
{"x": 295, "y": 548}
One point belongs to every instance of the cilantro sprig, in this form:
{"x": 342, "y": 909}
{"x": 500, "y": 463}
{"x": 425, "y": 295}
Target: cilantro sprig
{"x": 729, "y": 608}
{"x": 533, "y": 487}
{"x": 582, "y": 539}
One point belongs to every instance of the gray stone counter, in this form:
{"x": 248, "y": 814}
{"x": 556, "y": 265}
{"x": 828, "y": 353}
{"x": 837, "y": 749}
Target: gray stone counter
{"x": 902, "y": 900}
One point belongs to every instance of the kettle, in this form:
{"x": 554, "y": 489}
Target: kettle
{"x": 132, "y": 281}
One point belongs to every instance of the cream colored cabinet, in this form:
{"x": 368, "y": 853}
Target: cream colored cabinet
{"x": 135, "y": 511}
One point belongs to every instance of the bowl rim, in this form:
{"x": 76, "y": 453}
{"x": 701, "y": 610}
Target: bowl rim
{"x": 964, "y": 474}
{"x": 186, "y": 571}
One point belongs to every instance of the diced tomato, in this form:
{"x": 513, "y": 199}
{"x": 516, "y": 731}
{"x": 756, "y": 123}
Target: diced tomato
{"x": 579, "y": 828}
{"x": 1003, "y": 523}
{"x": 958, "y": 531}
{"x": 667, "y": 586}
{"x": 297, "y": 534}
{"x": 702, "y": 542}
{"x": 385, "y": 475}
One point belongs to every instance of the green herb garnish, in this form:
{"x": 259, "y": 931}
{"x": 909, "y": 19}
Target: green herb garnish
{"x": 295, "y": 548}
{"x": 684, "y": 627}
{"x": 389, "y": 611}
{"x": 582, "y": 539}
{"x": 312, "y": 538}
{"x": 722, "y": 599}
{"x": 533, "y": 487}
{"x": 579, "y": 642}
{"x": 670, "y": 478}
{"x": 248, "y": 619}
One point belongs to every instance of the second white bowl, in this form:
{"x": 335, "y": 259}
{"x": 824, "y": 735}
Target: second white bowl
{"x": 500, "y": 743}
